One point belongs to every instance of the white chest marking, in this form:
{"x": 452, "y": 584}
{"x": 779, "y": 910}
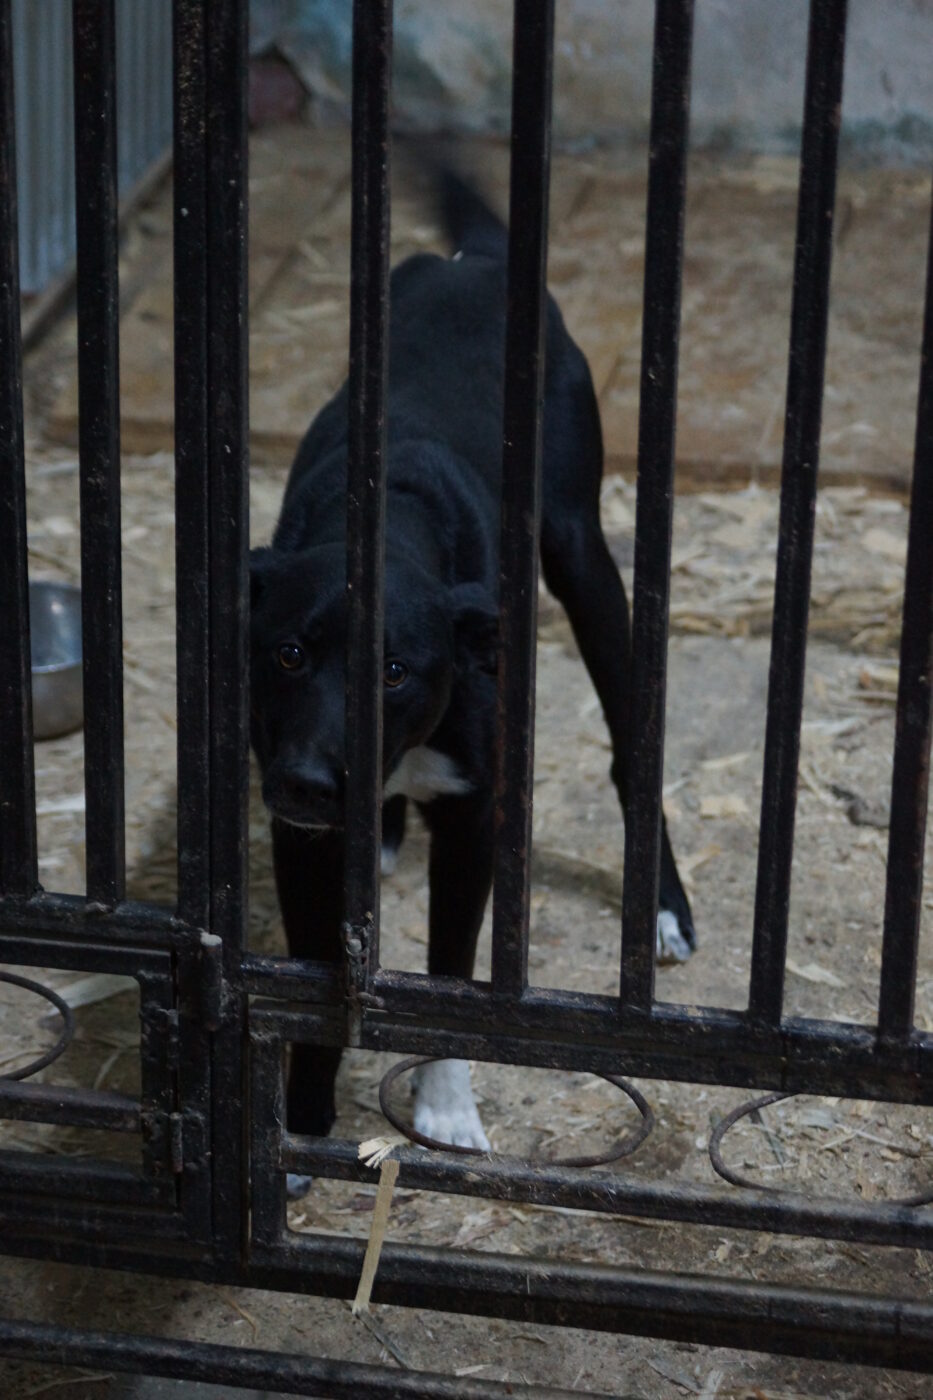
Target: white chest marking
{"x": 424, "y": 774}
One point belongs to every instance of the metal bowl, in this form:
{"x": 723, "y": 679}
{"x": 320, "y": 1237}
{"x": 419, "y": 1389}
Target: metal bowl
{"x": 55, "y": 642}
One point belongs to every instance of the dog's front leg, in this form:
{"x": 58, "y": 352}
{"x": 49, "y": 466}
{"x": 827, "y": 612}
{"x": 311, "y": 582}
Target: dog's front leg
{"x": 460, "y": 877}
{"x": 309, "y": 877}
{"x": 580, "y": 572}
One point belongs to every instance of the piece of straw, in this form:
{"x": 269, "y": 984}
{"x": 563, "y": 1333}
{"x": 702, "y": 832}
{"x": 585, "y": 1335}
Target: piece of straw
{"x": 388, "y": 1175}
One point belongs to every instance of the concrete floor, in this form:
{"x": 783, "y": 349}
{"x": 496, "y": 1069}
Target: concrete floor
{"x": 736, "y": 303}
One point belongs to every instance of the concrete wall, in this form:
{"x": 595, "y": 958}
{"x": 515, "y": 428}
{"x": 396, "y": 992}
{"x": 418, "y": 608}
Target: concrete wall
{"x": 452, "y": 68}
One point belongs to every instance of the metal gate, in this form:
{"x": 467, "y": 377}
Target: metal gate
{"x": 209, "y": 1201}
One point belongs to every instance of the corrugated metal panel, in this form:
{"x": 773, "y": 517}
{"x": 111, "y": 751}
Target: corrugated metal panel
{"x": 44, "y": 119}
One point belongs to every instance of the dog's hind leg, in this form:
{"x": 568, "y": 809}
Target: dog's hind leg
{"x": 580, "y": 572}
{"x": 460, "y": 876}
{"x": 393, "y": 831}
{"x": 309, "y": 877}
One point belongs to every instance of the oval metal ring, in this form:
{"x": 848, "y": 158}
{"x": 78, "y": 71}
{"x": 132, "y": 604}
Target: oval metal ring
{"x": 68, "y": 1030}
{"x": 624, "y": 1148}
{"x": 736, "y": 1179}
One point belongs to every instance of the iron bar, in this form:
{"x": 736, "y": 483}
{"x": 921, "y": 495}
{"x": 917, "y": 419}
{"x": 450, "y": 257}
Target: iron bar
{"x": 245, "y": 1366}
{"x": 99, "y": 444}
{"x": 657, "y": 419}
{"x": 202, "y": 965}
{"x": 809, "y": 316}
{"x": 615, "y": 1193}
{"x": 703, "y": 1046}
{"x": 54, "y": 916}
{"x": 227, "y": 425}
{"x": 29, "y": 1179}
{"x": 192, "y": 491}
{"x": 858, "y": 1327}
{"x": 28, "y": 950}
{"x": 267, "y": 1206}
{"x": 911, "y": 779}
{"x": 366, "y": 460}
{"x": 226, "y": 24}
{"x": 896, "y": 1332}
{"x": 76, "y": 1108}
{"x": 532, "y": 68}
{"x": 18, "y": 861}
{"x": 84, "y": 1208}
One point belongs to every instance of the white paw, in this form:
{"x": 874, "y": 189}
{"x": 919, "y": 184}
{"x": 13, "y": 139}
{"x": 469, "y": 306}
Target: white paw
{"x": 444, "y": 1106}
{"x": 297, "y": 1186}
{"x": 388, "y": 859}
{"x": 672, "y": 947}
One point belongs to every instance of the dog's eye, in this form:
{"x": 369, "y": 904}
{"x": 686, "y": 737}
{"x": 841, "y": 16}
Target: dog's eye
{"x": 291, "y": 657}
{"x": 395, "y": 673}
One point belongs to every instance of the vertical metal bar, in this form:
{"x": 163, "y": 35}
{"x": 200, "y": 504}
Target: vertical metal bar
{"x": 99, "y": 444}
{"x": 226, "y": 38}
{"x": 809, "y": 315}
{"x": 267, "y": 1075}
{"x": 911, "y": 779}
{"x": 369, "y": 316}
{"x": 664, "y": 235}
{"x": 192, "y": 530}
{"x": 18, "y": 868}
{"x": 532, "y": 67}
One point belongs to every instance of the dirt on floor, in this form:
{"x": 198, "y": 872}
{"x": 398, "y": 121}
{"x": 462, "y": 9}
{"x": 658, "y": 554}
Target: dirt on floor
{"x": 722, "y": 585}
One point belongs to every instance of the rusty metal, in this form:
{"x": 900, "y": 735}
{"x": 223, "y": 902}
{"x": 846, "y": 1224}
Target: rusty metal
{"x": 66, "y": 1035}
{"x": 751, "y": 1109}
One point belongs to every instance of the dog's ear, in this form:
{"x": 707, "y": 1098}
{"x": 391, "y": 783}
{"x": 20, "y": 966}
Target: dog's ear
{"x": 260, "y": 566}
{"x": 476, "y": 626}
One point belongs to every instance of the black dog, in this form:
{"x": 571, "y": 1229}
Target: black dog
{"x": 443, "y": 476}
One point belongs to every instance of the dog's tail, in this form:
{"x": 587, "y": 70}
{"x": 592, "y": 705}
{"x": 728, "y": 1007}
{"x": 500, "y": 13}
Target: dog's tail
{"x": 468, "y": 221}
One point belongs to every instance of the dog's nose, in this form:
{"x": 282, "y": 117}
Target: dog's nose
{"x": 308, "y": 794}
{"x": 310, "y": 785}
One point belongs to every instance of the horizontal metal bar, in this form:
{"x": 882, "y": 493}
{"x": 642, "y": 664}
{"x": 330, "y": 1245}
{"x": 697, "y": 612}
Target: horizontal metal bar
{"x": 61, "y": 915}
{"x": 417, "y": 1015}
{"x": 809, "y": 319}
{"x": 612, "y": 1193}
{"x": 52, "y": 1220}
{"x": 99, "y": 445}
{"x": 75, "y": 1181}
{"x": 654, "y": 511}
{"x": 26, "y": 951}
{"x": 911, "y": 778}
{"x": 246, "y": 1366}
{"x": 801, "y": 1322}
{"x": 520, "y": 507}
{"x": 18, "y": 862}
{"x": 77, "y": 1108}
{"x": 682, "y": 1307}
{"x": 286, "y": 978}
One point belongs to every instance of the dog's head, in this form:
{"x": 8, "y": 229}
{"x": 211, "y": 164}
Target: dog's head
{"x": 434, "y": 636}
